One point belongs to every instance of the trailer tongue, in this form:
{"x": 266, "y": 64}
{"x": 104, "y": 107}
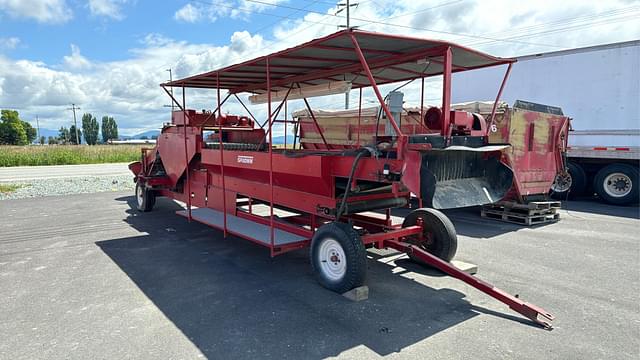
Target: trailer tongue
{"x": 232, "y": 178}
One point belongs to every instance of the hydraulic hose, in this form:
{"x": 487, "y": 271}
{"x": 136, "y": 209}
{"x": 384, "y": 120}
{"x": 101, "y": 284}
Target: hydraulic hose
{"x": 361, "y": 152}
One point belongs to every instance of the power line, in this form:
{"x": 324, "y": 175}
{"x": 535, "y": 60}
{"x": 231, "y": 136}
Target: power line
{"x": 564, "y": 29}
{"x": 402, "y": 26}
{"x": 259, "y": 12}
{"x": 289, "y": 16}
{"x": 425, "y": 10}
{"x": 565, "y": 21}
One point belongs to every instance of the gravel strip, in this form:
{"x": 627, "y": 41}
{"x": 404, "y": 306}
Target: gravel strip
{"x": 71, "y": 185}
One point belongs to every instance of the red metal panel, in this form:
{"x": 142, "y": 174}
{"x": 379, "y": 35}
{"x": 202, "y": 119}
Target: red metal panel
{"x": 171, "y": 145}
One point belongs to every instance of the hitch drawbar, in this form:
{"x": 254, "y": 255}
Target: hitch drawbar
{"x": 529, "y": 311}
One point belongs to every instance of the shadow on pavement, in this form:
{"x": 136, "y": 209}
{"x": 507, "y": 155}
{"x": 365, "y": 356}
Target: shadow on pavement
{"x": 229, "y": 297}
{"x": 596, "y": 207}
{"x": 468, "y": 221}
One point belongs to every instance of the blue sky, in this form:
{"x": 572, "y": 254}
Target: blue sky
{"x": 105, "y": 38}
{"x": 109, "y": 56}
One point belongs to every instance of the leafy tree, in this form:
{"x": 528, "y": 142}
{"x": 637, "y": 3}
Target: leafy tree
{"x": 90, "y": 128}
{"x": 52, "y": 140}
{"x": 42, "y": 140}
{"x": 30, "y": 131}
{"x": 63, "y": 135}
{"x": 109, "y": 129}
{"x": 12, "y": 130}
{"x": 72, "y": 136}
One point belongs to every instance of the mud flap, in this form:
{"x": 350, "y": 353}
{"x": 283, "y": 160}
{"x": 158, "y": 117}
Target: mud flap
{"x": 460, "y": 176}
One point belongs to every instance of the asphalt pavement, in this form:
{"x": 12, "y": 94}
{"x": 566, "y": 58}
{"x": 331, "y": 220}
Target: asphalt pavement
{"x": 24, "y": 173}
{"x": 86, "y": 276}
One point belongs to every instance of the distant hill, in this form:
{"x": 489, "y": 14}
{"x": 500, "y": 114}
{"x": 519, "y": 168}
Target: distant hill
{"x": 151, "y": 133}
{"x": 148, "y": 134}
{"x": 280, "y": 139}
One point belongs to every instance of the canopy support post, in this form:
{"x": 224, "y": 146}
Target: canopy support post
{"x": 271, "y": 230}
{"x": 372, "y": 81}
{"x": 274, "y": 115}
{"x": 224, "y": 189}
{"x": 247, "y": 109}
{"x": 315, "y": 122}
{"x": 495, "y": 103}
{"x": 186, "y": 156}
{"x": 422, "y": 124}
{"x": 359, "y": 116}
{"x": 446, "y": 96}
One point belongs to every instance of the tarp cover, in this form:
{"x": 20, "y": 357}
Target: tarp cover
{"x": 391, "y": 58}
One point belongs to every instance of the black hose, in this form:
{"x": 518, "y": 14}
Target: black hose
{"x": 361, "y": 153}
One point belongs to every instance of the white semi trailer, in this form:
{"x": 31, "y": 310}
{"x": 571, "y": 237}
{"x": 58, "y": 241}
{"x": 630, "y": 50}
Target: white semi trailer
{"x": 599, "y": 88}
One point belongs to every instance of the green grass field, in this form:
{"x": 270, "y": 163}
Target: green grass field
{"x": 9, "y": 188}
{"x": 67, "y": 154}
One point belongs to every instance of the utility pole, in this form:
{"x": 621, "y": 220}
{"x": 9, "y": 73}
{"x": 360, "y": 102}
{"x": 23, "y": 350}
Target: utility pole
{"x": 75, "y": 123}
{"x": 38, "y": 127}
{"x": 346, "y": 6}
{"x": 171, "y": 90}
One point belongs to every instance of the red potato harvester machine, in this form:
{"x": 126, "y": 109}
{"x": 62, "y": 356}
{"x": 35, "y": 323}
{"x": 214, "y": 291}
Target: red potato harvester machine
{"x": 287, "y": 199}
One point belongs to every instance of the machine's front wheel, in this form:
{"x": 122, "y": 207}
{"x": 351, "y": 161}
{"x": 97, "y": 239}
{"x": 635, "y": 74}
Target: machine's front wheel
{"x": 338, "y": 257}
{"x": 439, "y": 234}
{"x": 145, "y": 198}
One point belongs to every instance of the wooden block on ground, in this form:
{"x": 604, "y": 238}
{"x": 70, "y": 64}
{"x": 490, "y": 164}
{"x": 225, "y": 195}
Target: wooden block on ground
{"x": 357, "y": 294}
{"x": 469, "y": 268}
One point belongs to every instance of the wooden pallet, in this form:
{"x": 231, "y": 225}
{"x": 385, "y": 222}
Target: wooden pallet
{"x": 533, "y": 213}
{"x": 532, "y": 205}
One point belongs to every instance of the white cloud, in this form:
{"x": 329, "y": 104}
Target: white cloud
{"x": 128, "y": 89}
{"x": 76, "y": 61}
{"x": 200, "y": 11}
{"x": 44, "y": 11}
{"x": 9, "y": 43}
{"x": 188, "y": 13}
{"x": 107, "y": 8}
{"x": 193, "y": 13}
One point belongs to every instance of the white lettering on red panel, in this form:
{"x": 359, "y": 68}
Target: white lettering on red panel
{"x": 242, "y": 159}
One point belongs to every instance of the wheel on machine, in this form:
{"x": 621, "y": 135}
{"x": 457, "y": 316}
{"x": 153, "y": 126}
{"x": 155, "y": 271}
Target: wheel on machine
{"x": 145, "y": 198}
{"x": 439, "y": 234}
{"x": 617, "y": 184}
{"x": 338, "y": 257}
{"x": 569, "y": 184}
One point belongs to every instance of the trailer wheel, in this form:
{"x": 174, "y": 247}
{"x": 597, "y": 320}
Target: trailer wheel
{"x": 338, "y": 257}
{"x": 440, "y": 238}
{"x": 572, "y": 183}
{"x": 617, "y": 184}
{"x": 145, "y": 198}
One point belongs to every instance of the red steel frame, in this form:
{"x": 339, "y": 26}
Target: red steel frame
{"x": 382, "y": 234}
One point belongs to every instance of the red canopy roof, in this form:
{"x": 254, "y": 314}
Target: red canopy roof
{"x": 391, "y": 58}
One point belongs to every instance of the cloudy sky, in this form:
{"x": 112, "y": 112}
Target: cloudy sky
{"x": 108, "y": 56}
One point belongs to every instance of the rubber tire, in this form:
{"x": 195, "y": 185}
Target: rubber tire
{"x": 443, "y": 232}
{"x": 578, "y": 183}
{"x": 355, "y": 253}
{"x": 148, "y": 198}
{"x": 631, "y": 172}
